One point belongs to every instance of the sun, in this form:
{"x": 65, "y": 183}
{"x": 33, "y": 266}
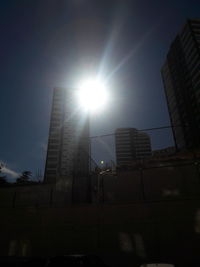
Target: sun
{"x": 92, "y": 94}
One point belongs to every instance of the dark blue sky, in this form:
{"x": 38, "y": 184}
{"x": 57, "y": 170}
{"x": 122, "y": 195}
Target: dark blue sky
{"x": 52, "y": 43}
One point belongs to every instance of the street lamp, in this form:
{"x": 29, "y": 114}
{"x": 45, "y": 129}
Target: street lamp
{"x": 92, "y": 96}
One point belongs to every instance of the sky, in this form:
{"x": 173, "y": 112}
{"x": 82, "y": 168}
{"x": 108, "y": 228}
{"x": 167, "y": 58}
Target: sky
{"x": 49, "y": 43}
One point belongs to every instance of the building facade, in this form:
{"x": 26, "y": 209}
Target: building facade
{"x": 181, "y": 78}
{"x": 131, "y": 145}
{"x": 68, "y": 145}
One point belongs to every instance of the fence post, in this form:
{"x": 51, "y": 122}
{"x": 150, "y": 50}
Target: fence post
{"x": 14, "y": 199}
{"x": 142, "y": 184}
{"x": 51, "y": 197}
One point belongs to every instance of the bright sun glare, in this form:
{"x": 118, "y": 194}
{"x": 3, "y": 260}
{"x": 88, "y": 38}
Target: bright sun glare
{"x": 92, "y": 95}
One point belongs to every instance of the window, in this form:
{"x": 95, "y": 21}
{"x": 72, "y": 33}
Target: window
{"x": 55, "y": 120}
{"x": 52, "y": 159}
{"x": 56, "y": 112}
{"x": 124, "y": 158}
{"x": 56, "y": 109}
{"x": 54, "y": 136}
{"x": 124, "y": 153}
{"x": 52, "y": 153}
{"x": 122, "y": 135}
{"x": 55, "y": 124}
{"x": 53, "y": 146}
{"x": 51, "y": 172}
{"x": 54, "y": 141}
{"x": 51, "y": 166}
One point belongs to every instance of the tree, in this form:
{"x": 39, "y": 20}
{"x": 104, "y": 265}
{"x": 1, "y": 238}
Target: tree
{"x": 2, "y": 178}
{"x": 24, "y": 178}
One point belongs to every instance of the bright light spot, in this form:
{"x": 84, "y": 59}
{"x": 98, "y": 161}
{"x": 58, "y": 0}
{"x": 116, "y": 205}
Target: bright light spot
{"x": 102, "y": 162}
{"x": 92, "y": 95}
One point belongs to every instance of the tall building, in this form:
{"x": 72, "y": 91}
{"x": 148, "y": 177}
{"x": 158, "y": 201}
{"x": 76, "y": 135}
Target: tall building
{"x": 181, "y": 78}
{"x": 131, "y": 145}
{"x": 68, "y": 145}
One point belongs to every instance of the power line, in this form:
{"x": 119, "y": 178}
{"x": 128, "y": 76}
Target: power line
{"x": 141, "y": 130}
{"x": 159, "y": 128}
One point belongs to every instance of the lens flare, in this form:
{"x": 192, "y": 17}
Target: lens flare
{"x": 92, "y": 95}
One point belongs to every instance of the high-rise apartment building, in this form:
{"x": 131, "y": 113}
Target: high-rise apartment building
{"x": 68, "y": 145}
{"x": 181, "y": 78}
{"x": 131, "y": 145}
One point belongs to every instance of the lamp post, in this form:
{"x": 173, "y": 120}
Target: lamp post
{"x": 92, "y": 95}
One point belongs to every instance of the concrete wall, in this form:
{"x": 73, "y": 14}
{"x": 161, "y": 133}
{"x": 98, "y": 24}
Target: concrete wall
{"x": 145, "y": 214}
{"x": 164, "y": 183}
{"x": 152, "y": 184}
{"x": 147, "y": 231}
{"x": 45, "y": 194}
